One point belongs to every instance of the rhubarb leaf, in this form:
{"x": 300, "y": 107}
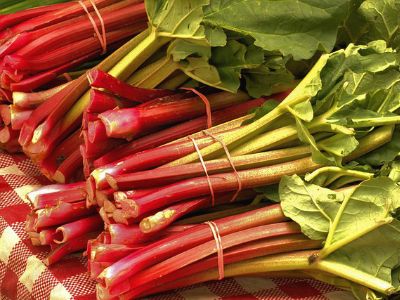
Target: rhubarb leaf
{"x": 382, "y": 18}
{"x": 232, "y": 58}
{"x": 181, "y": 49}
{"x": 309, "y": 205}
{"x": 225, "y": 62}
{"x": 261, "y": 111}
{"x": 269, "y": 78}
{"x": 394, "y": 173}
{"x": 370, "y": 205}
{"x": 294, "y": 28}
{"x": 177, "y": 18}
{"x": 375, "y": 253}
{"x": 327, "y": 176}
{"x": 385, "y": 154}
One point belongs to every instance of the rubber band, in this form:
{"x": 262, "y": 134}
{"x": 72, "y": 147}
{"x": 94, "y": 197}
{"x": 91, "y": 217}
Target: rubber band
{"x": 205, "y": 171}
{"x": 102, "y": 37}
{"x": 206, "y": 103}
{"x": 220, "y": 250}
{"x": 67, "y": 76}
{"x": 229, "y": 157}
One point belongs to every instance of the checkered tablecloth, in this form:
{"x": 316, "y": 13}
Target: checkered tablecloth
{"x": 24, "y": 276}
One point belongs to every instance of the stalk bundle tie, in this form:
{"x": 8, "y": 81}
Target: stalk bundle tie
{"x": 205, "y": 170}
{"x": 229, "y": 157}
{"x": 220, "y": 251}
{"x": 101, "y": 36}
{"x": 67, "y": 77}
{"x": 206, "y": 103}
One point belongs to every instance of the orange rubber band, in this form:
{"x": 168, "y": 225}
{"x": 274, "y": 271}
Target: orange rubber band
{"x": 220, "y": 250}
{"x": 205, "y": 171}
{"x": 229, "y": 157}
{"x": 206, "y": 103}
{"x": 67, "y": 76}
{"x": 102, "y": 37}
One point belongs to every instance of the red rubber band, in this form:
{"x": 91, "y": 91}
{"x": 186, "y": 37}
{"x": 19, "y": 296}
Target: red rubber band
{"x": 229, "y": 157}
{"x": 220, "y": 250}
{"x": 206, "y": 103}
{"x": 205, "y": 171}
{"x": 102, "y": 37}
{"x": 67, "y": 76}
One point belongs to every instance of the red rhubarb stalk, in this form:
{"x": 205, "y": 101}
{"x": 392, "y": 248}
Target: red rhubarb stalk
{"x": 172, "y": 133}
{"x": 223, "y": 182}
{"x": 70, "y": 231}
{"x": 32, "y": 100}
{"x": 132, "y": 235}
{"x": 167, "y": 175}
{"x": 239, "y": 253}
{"x": 18, "y": 117}
{"x": 202, "y": 251}
{"x": 130, "y": 122}
{"x": 61, "y": 214}
{"x": 18, "y": 17}
{"x": 74, "y": 245}
{"x": 167, "y": 216}
{"x": 147, "y": 159}
{"x": 160, "y": 250}
{"x": 68, "y": 168}
{"x": 100, "y": 79}
{"x": 50, "y": 195}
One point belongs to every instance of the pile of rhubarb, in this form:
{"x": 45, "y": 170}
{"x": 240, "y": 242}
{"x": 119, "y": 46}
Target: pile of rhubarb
{"x": 193, "y": 140}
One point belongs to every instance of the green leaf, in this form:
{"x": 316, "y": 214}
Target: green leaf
{"x": 326, "y": 176}
{"x": 375, "y": 253}
{"x": 306, "y": 137}
{"x": 270, "y": 192}
{"x": 384, "y": 154}
{"x": 309, "y": 205}
{"x": 303, "y": 111}
{"x": 394, "y": 173}
{"x": 177, "y": 18}
{"x": 370, "y": 205}
{"x": 216, "y": 37}
{"x": 262, "y": 110}
{"x": 232, "y": 58}
{"x": 269, "y": 78}
{"x": 294, "y": 28}
{"x": 383, "y": 20}
{"x": 353, "y": 27}
{"x": 339, "y": 144}
{"x": 225, "y": 62}
{"x": 181, "y": 49}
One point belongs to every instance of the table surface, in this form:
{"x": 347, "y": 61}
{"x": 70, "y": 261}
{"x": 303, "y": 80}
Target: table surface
{"x": 24, "y": 276}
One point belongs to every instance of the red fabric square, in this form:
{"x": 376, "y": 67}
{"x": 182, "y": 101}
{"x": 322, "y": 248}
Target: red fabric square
{"x": 16, "y": 213}
{"x": 8, "y": 286}
{"x": 4, "y": 186}
{"x": 301, "y": 289}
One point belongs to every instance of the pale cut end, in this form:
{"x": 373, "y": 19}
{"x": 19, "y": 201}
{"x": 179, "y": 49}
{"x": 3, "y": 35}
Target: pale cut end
{"x": 112, "y": 182}
{"x": 60, "y": 237}
{"x": 5, "y": 135}
{"x": 58, "y": 177}
{"x": 37, "y": 134}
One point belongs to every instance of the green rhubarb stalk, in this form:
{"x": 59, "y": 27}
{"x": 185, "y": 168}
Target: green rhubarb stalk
{"x": 257, "y": 127}
{"x": 174, "y": 81}
{"x": 144, "y": 45}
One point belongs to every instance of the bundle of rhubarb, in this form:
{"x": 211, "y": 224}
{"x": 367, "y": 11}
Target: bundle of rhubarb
{"x": 60, "y": 219}
{"x": 42, "y": 49}
{"x": 338, "y": 119}
{"x": 190, "y": 39}
{"x": 158, "y": 156}
{"x": 348, "y": 238}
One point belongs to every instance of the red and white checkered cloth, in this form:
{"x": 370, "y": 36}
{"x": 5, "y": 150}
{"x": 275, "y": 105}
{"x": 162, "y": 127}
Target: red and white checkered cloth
{"x": 24, "y": 276}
